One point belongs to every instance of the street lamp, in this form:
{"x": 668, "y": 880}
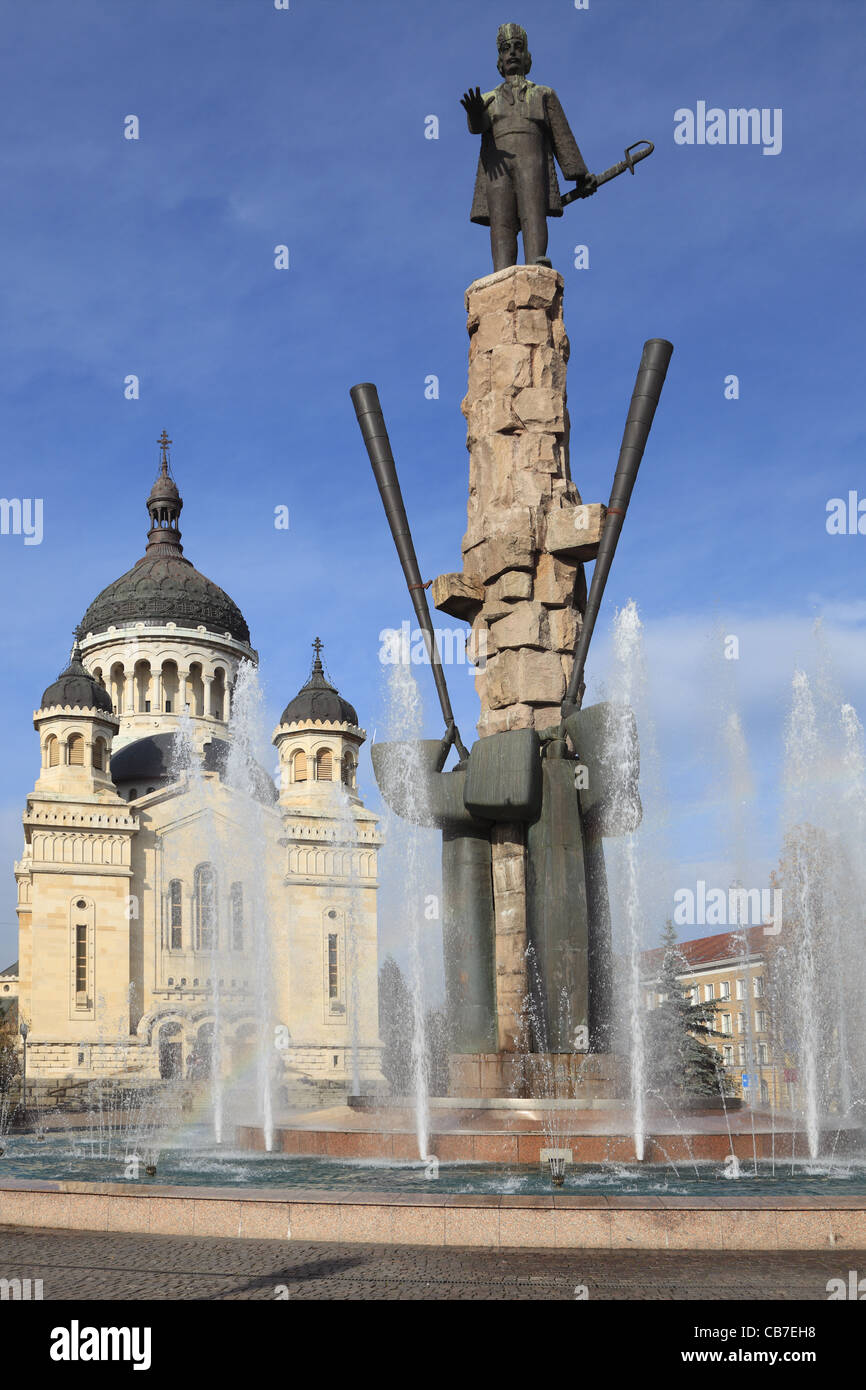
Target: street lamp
{"x": 23, "y": 1029}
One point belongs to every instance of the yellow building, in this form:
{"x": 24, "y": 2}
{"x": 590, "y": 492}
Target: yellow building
{"x": 165, "y": 903}
{"x": 9, "y": 985}
{"x": 733, "y": 969}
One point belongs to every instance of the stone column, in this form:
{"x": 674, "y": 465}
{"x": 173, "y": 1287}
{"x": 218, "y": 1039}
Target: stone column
{"x": 522, "y": 587}
{"x": 508, "y": 855}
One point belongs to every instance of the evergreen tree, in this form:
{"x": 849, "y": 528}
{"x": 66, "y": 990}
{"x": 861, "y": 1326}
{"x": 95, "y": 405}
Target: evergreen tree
{"x": 9, "y": 1064}
{"x": 436, "y": 1030}
{"x": 679, "y": 1063}
{"x": 396, "y": 1023}
{"x": 395, "y": 1028}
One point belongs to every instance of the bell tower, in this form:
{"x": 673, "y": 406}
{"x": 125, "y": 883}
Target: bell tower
{"x": 327, "y": 958}
{"x": 76, "y": 726}
{"x": 318, "y": 741}
{"x": 75, "y": 910}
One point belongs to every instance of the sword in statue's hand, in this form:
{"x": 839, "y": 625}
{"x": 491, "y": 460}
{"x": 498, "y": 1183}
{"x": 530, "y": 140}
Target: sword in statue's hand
{"x": 588, "y": 183}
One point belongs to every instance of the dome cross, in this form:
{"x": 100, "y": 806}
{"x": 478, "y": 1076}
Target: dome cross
{"x": 163, "y": 443}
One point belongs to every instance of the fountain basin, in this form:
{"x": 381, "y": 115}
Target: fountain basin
{"x": 781, "y": 1205}
{"x": 598, "y": 1132}
{"x": 738, "y": 1219}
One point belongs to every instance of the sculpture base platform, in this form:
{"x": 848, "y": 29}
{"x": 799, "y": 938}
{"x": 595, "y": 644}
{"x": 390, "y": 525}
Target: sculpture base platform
{"x": 566, "y": 1075}
{"x": 474, "y": 1130}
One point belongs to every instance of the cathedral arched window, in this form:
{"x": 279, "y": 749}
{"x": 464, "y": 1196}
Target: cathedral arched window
{"x": 348, "y": 770}
{"x": 98, "y": 755}
{"x": 205, "y": 900}
{"x": 175, "y": 908}
{"x": 299, "y": 766}
{"x": 218, "y": 693}
{"x": 171, "y": 1051}
{"x": 81, "y": 961}
{"x": 333, "y": 967}
{"x": 170, "y": 681}
{"x": 334, "y": 961}
{"x": 81, "y": 927}
{"x": 75, "y": 751}
{"x": 52, "y": 752}
{"x": 236, "y": 896}
{"x": 324, "y": 760}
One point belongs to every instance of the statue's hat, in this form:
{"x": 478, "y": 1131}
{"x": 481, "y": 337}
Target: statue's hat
{"x": 511, "y": 31}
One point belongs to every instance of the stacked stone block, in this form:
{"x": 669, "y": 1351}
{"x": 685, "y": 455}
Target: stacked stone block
{"x": 522, "y": 587}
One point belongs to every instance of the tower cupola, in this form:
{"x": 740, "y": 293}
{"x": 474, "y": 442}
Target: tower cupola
{"x": 164, "y": 505}
{"x": 318, "y": 739}
{"x": 76, "y": 726}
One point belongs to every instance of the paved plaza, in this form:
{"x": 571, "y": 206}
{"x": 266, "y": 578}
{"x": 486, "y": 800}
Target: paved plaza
{"x": 87, "y": 1265}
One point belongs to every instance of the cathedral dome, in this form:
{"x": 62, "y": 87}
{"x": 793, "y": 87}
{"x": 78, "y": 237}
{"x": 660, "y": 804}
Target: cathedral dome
{"x": 163, "y": 586}
{"x": 318, "y": 701}
{"x": 155, "y": 759}
{"x": 75, "y": 689}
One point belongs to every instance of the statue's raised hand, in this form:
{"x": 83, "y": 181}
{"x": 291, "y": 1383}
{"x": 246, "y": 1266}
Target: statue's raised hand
{"x": 473, "y": 104}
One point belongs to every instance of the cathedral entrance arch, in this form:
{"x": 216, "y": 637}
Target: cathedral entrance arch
{"x": 204, "y": 1050}
{"x": 243, "y": 1049}
{"x": 170, "y": 1052}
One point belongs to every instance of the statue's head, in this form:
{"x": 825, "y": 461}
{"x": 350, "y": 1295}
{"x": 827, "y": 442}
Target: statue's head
{"x": 515, "y": 59}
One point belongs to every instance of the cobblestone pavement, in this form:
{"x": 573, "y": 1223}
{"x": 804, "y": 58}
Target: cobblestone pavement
{"x": 88, "y": 1265}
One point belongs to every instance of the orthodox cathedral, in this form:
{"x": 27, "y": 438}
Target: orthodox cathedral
{"x": 136, "y": 931}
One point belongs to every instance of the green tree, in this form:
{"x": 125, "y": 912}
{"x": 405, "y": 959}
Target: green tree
{"x": 436, "y": 1031}
{"x": 395, "y": 1027}
{"x": 680, "y": 1064}
{"x": 396, "y": 1022}
{"x": 9, "y": 1064}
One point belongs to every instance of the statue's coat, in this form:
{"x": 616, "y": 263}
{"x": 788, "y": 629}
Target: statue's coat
{"x": 540, "y": 104}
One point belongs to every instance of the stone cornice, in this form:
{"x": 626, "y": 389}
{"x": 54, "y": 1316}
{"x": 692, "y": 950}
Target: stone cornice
{"x": 293, "y": 833}
{"x": 56, "y": 818}
{"x": 76, "y": 711}
{"x": 146, "y": 632}
{"x": 313, "y": 726}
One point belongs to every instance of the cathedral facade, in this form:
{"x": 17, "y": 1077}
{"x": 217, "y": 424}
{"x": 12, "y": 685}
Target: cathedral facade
{"x": 140, "y": 922}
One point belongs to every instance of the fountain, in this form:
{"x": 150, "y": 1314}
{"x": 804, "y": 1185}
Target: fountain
{"x": 523, "y": 815}
{"x": 246, "y": 756}
{"x": 541, "y": 819}
{"x": 551, "y": 1115}
{"x": 187, "y": 763}
{"x": 622, "y": 769}
{"x": 821, "y": 975}
{"x": 547, "y": 860}
{"x": 405, "y": 769}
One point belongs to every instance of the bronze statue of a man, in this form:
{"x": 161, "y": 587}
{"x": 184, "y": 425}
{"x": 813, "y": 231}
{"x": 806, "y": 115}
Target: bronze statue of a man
{"x": 522, "y": 126}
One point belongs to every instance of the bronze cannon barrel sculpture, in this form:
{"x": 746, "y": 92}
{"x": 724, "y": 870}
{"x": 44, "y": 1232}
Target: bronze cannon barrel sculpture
{"x": 411, "y": 780}
{"x": 365, "y": 399}
{"x": 524, "y": 777}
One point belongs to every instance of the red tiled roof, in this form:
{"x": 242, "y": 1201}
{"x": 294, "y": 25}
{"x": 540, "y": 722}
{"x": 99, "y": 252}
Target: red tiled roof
{"x": 705, "y": 951}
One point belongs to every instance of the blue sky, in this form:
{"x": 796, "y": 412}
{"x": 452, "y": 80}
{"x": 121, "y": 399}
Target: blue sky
{"x": 306, "y": 127}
